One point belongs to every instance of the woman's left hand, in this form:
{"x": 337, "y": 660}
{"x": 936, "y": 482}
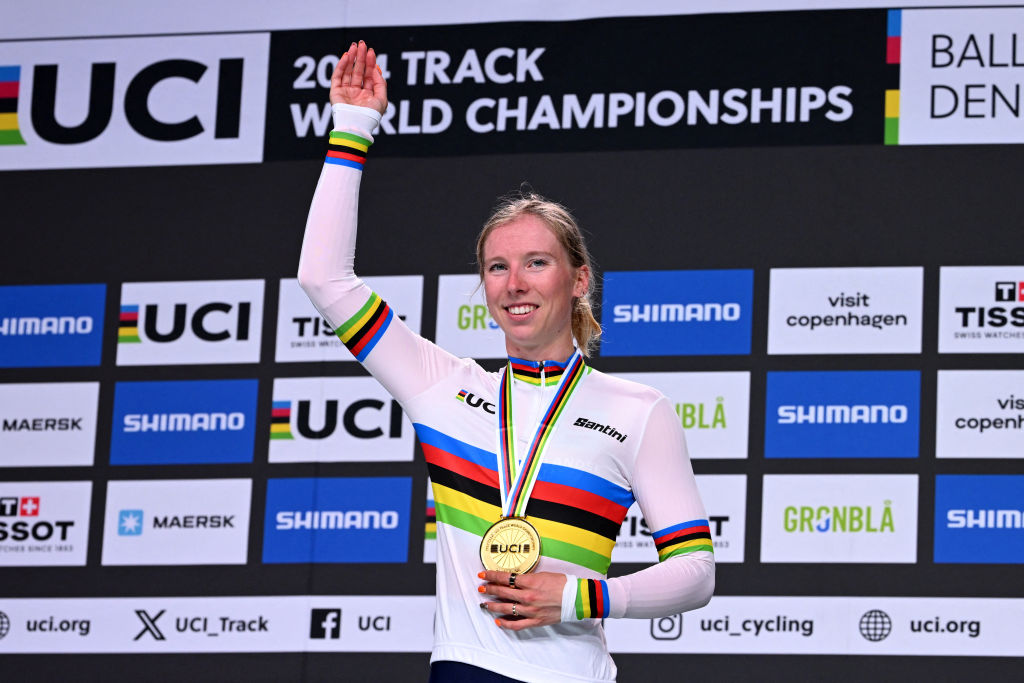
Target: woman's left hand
{"x": 537, "y": 599}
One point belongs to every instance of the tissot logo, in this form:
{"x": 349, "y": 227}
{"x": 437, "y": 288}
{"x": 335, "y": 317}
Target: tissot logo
{"x": 725, "y": 495}
{"x": 44, "y": 523}
{"x": 194, "y": 521}
{"x": 337, "y": 419}
{"x": 842, "y": 414}
{"x": 137, "y": 101}
{"x": 669, "y": 313}
{"x": 981, "y": 309}
{"x": 337, "y": 520}
{"x": 217, "y": 321}
{"x": 51, "y": 325}
{"x": 303, "y": 335}
{"x": 325, "y": 624}
{"x": 202, "y": 421}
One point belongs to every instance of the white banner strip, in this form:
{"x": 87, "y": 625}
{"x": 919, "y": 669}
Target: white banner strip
{"x": 729, "y": 625}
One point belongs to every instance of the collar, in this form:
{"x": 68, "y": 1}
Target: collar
{"x": 537, "y": 372}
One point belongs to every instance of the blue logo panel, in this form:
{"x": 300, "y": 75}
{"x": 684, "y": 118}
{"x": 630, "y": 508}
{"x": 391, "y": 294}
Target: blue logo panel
{"x": 852, "y": 414}
{"x": 337, "y": 520}
{"x": 51, "y": 325}
{"x": 979, "y": 519}
{"x": 677, "y": 312}
{"x": 184, "y": 423}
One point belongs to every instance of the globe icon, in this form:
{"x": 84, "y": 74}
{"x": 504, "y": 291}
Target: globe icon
{"x": 5, "y": 625}
{"x": 875, "y": 625}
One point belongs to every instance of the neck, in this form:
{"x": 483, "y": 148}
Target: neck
{"x": 559, "y": 354}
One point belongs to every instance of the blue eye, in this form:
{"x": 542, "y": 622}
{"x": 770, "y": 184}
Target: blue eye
{"x": 496, "y": 266}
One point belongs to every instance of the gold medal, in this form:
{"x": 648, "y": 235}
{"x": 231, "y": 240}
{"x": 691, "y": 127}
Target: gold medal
{"x": 510, "y": 545}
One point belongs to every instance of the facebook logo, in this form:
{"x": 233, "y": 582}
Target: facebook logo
{"x": 325, "y": 624}
{"x": 129, "y": 523}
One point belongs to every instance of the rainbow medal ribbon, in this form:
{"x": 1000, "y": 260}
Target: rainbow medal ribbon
{"x": 512, "y": 544}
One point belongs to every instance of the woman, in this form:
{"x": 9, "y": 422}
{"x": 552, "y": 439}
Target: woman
{"x": 543, "y": 469}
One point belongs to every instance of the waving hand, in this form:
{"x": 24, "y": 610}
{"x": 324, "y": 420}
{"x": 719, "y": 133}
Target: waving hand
{"x": 357, "y": 80}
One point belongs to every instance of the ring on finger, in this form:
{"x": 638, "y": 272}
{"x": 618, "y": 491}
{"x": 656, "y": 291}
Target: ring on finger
{"x": 512, "y": 580}
{"x": 514, "y": 612}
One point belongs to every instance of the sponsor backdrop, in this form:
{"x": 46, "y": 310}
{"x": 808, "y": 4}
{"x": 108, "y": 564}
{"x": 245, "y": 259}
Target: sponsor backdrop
{"x": 804, "y": 223}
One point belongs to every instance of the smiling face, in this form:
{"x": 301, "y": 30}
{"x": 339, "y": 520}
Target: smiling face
{"x": 530, "y": 285}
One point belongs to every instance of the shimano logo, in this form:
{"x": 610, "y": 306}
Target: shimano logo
{"x": 842, "y": 414}
{"x": 597, "y": 427}
{"x": 336, "y": 519}
{"x": 57, "y": 325}
{"x": 184, "y": 422}
{"x": 670, "y": 313}
{"x": 984, "y": 519}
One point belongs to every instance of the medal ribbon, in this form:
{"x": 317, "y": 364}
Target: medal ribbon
{"x": 516, "y": 483}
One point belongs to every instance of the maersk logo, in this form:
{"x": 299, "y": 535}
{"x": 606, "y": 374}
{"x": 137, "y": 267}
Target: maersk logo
{"x": 195, "y": 422}
{"x": 675, "y": 313}
{"x": 51, "y": 325}
{"x": 337, "y": 520}
{"x": 847, "y": 414}
{"x": 982, "y": 512}
{"x": 129, "y": 522}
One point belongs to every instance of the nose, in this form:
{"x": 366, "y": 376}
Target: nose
{"x": 516, "y": 282}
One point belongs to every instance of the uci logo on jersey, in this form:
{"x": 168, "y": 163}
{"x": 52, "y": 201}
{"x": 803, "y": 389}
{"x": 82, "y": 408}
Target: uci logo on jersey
{"x": 474, "y": 401}
{"x": 216, "y": 321}
{"x": 135, "y": 101}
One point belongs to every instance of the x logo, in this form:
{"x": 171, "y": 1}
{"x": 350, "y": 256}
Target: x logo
{"x": 150, "y": 624}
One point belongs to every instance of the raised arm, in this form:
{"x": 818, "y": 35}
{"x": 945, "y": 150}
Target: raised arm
{"x": 405, "y": 363}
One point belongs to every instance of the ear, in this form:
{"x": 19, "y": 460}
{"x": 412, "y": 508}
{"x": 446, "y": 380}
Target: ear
{"x": 582, "y": 283}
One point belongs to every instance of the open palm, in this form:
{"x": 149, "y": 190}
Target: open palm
{"x": 358, "y": 81}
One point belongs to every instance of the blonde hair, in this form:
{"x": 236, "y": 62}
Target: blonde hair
{"x": 585, "y": 328}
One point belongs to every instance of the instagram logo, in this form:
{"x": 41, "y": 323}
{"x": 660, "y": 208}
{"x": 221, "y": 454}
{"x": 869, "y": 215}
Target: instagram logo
{"x": 667, "y": 628}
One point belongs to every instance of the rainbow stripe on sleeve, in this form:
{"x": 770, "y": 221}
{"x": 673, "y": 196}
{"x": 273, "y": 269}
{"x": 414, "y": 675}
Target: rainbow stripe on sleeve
{"x": 592, "y": 599}
{"x": 683, "y": 538}
{"x": 361, "y": 332}
{"x": 346, "y": 149}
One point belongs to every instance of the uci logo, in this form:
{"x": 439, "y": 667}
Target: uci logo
{"x": 211, "y": 322}
{"x": 220, "y": 81}
{"x": 360, "y": 426}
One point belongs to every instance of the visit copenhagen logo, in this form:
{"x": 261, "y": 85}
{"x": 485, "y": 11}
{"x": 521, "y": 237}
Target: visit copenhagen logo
{"x": 677, "y": 312}
{"x": 984, "y": 513}
{"x": 51, "y": 325}
{"x": 132, "y": 101}
{"x": 215, "y": 321}
{"x": 847, "y": 414}
{"x": 337, "y": 520}
{"x": 187, "y": 422}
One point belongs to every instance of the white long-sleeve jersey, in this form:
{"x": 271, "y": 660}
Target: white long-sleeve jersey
{"x": 616, "y": 442}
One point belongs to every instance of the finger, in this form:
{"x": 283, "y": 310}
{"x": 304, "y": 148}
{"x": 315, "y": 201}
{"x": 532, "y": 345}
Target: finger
{"x": 500, "y": 592}
{"x": 503, "y": 608}
{"x": 518, "y": 624}
{"x": 497, "y": 577}
{"x": 360, "y": 66}
{"x": 344, "y": 69}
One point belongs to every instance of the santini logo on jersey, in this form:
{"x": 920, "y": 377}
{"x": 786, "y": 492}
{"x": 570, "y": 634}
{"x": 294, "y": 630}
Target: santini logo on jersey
{"x": 604, "y": 429}
{"x": 842, "y": 414}
{"x": 184, "y": 422}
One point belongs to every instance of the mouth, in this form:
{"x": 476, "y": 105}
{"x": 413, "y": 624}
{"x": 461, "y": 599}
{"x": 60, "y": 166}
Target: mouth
{"x": 520, "y": 309}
